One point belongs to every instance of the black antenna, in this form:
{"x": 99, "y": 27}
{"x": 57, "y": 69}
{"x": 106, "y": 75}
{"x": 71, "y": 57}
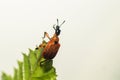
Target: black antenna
{"x": 54, "y": 26}
{"x": 57, "y": 22}
{"x": 62, "y": 23}
{"x": 57, "y": 27}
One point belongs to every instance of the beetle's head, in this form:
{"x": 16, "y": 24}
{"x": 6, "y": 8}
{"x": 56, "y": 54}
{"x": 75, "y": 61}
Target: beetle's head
{"x": 57, "y": 28}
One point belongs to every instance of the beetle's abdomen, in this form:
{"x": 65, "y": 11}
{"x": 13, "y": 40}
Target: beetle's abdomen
{"x": 50, "y": 51}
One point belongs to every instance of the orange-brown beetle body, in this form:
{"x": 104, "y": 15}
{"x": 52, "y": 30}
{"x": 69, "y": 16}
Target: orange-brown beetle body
{"x": 53, "y": 45}
{"x": 51, "y": 48}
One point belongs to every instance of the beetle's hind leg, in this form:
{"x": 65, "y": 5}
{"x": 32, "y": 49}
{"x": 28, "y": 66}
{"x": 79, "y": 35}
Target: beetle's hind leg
{"x": 43, "y": 62}
{"x": 46, "y": 35}
{"x": 46, "y": 62}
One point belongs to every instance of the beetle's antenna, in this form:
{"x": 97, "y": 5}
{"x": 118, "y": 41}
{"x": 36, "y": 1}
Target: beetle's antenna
{"x": 62, "y": 23}
{"x": 54, "y": 27}
{"x": 57, "y": 22}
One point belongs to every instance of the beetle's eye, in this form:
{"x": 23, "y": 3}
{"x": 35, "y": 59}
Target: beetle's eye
{"x": 56, "y": 42}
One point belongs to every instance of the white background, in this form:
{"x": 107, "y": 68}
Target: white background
{"x": 90, "y": 38}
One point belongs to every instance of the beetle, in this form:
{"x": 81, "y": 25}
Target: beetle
{"x": 53, "y": 44}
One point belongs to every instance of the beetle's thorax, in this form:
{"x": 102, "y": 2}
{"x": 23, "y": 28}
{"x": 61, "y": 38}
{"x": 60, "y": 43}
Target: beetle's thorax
{"x": 55, "y": 38}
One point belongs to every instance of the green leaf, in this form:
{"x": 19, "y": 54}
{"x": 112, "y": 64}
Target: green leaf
{"x": 45, "y": 71}
{"x": 6, "y": 77}
{"x": 33, "y": 67}
{"x": 20, "y": 71}
{"x": 15, "y": 77}
{"x": 32, "y": 59}
{"x": 26, "y": 68}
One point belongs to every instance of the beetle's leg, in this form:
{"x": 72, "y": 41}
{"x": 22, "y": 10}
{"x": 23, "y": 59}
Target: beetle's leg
{"x": 42, "y": 62}
{"x": 54, "y": 27}
{"x": 46, "y": 34}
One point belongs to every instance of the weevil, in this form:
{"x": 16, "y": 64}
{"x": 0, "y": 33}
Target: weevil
{"x": 52, "y": 46}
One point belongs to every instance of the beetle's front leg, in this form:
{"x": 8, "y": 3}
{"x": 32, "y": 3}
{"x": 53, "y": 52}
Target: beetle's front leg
{"x": 46, "y": 34}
